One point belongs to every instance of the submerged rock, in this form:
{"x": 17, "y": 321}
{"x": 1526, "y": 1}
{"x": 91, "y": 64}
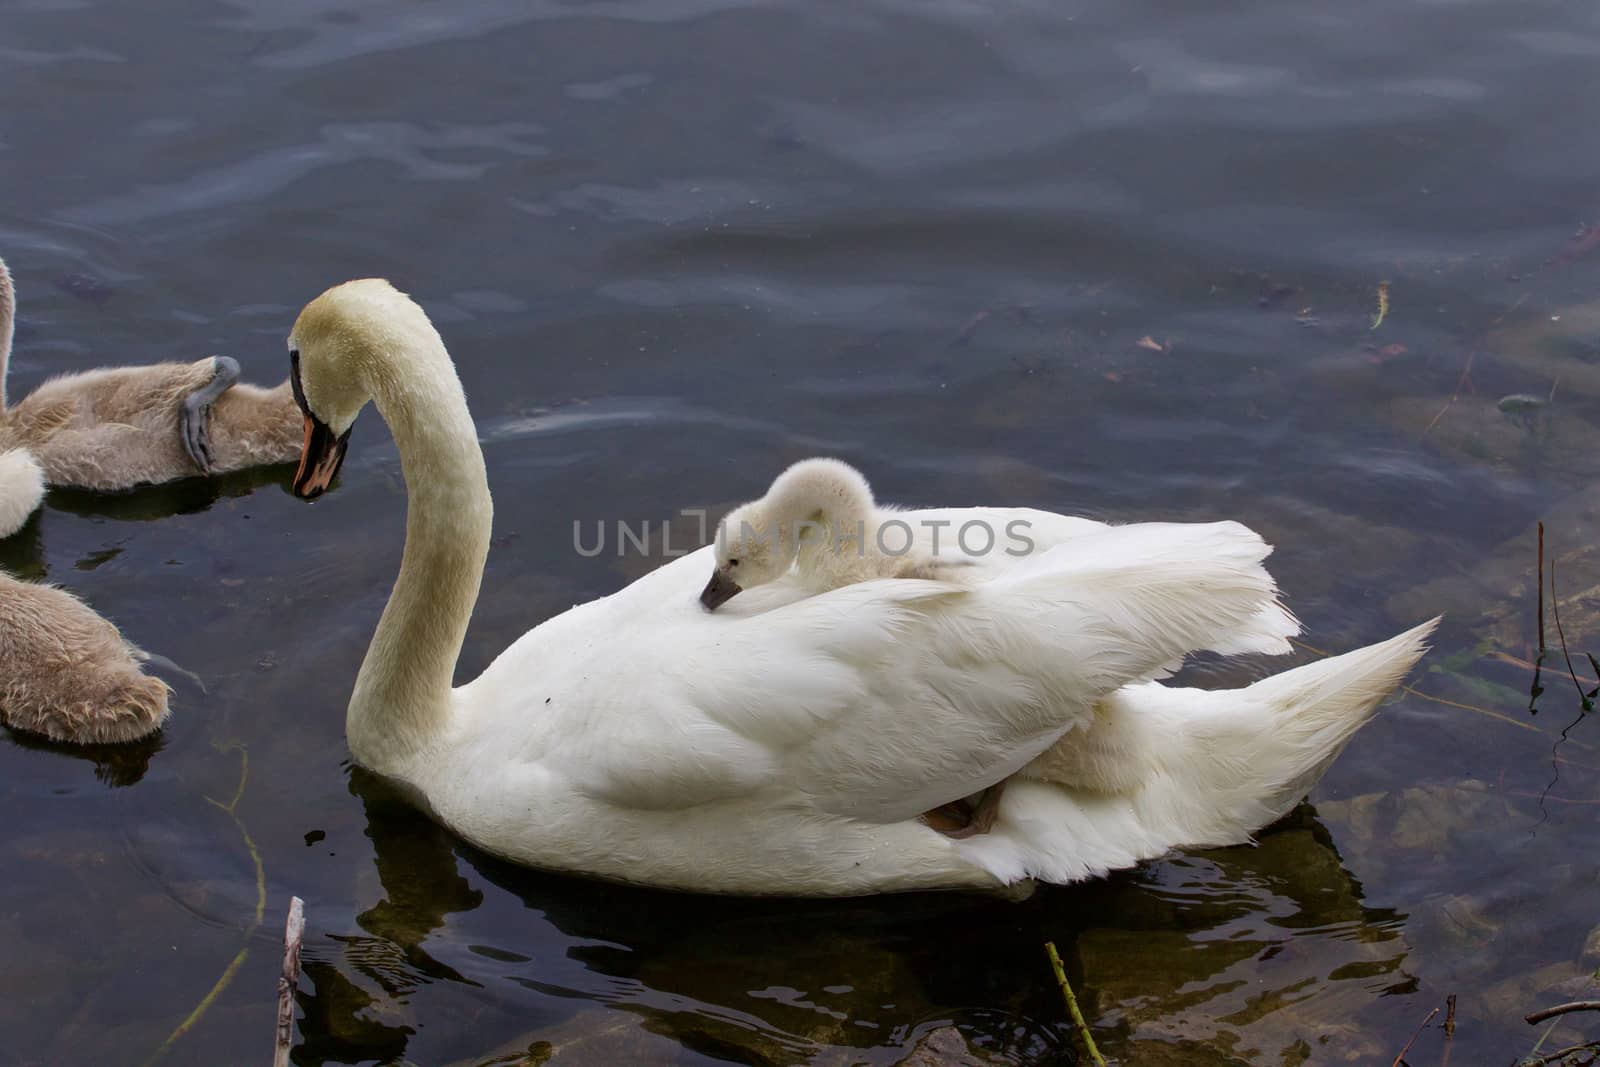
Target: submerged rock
{"x": 1515, "y": 433}
{"x": 1498, "y": 598}
{"x": 1591, "y": 949}
{"x": 946, "y": 1047}
{"x": 593, "y": 1036}
{"x": 1560, "y": 346}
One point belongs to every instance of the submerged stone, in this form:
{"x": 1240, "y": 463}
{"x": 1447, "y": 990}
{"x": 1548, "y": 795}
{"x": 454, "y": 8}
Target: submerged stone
{"x": 1498, "y": 598}
{"x": 946, "y": 1047}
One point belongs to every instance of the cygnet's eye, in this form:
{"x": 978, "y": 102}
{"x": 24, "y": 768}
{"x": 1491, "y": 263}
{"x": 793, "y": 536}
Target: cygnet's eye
{"x": 733, "y": 563}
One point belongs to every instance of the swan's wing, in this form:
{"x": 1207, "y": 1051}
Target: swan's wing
{"x": 1021, "y": 534}
{"x": 941, "y": 692}
{"x": 882, "y": 700}
{"x": 877, "y": 701}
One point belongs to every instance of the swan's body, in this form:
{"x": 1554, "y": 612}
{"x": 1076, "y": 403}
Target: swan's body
{"x": 117, "y": 427}
{"x": 820, "y": 519}
{"x": 67, "y": 673}
{"x": 789, "y": 743}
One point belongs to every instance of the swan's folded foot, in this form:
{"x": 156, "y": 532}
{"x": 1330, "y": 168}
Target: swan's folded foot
{"x": 964, "y": 818}
{"x": 194, "y": 414}
{"x": 949, "y": 819}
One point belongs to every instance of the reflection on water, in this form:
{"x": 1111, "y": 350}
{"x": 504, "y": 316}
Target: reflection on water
{"x": 156, "y": 502}
{"x": 1114, "y": 260}
{"x": 115, "y": 765}
{"x": 1241, "y": 947}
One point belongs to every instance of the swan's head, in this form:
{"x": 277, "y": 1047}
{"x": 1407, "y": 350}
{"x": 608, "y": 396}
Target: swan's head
{"x": 337, "y": 352}
{"x": 751, "y": 551}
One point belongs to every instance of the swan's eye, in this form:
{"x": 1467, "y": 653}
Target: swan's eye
{"x": 733, "y": 563}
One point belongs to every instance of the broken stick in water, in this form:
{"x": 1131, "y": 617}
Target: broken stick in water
{"x": 294, "y": 932}
{"x": 1538, "y": 664}
{"x": 1555, "y": 609}
{"x": 1562, "y": 1009}
{"x": 1072, "y": 1004}
{"x": 1400, "y": 1057}
{"x": 1449, "y": 1029}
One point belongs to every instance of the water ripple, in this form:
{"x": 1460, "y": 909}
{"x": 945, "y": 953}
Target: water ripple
{"x": 342, "y": 31}
{"x": 410, "y": 146}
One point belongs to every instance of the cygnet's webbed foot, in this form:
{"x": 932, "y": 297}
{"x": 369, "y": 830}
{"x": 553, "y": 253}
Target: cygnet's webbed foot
{"x": 194, "y": 413}
{"x": 963, "y": 818}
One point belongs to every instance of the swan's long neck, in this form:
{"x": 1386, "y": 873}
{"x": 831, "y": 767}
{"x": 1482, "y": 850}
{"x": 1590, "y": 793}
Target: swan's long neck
{"x": 828, "y": 524}
{"x": 401, "y": 705}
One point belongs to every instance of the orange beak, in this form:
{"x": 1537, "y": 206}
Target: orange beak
{"x": 320, "y": 458}
{"x": 321, "y": 454}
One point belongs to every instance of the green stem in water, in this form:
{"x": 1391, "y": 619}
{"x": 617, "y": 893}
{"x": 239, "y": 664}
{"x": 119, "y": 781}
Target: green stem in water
{"x": 231, "y": 808}
{"x": 1072, "y": 1005}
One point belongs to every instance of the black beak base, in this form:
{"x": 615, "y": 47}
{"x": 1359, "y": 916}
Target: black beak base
{"x": 719, "y": 590}
{"x": 322, "y": 454}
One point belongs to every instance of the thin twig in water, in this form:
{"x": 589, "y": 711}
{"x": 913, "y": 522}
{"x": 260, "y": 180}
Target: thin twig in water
{"x": 1555, "y": 610}
{"x": 1539, "y": 1044}
{"x": 231, "y": 808}
{"x": 1449, "y": 1029}
{"x": 294, "y": 932}
{"x": 1542, "y": 797}
{"x": 1587, "y": 705}
{"x": 1466, "y": 369}
{"x": 1466, "y": 372}
{"x": 1518, "y": 723}
{"x": 1538, "y": 664}
{"x": 1562, "y": 1009}
{"x": 1401, "y": 1056}
{"x": 1551, "y": 1058}
{"x": 1072, "y": 1005}
{"x": 1541, "y": 589}
{"x": 1507, "y": 719}
{"x": 1518, "y": 661}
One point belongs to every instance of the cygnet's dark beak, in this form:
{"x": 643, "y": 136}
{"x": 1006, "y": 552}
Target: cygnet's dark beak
{"x": 719, "y": 590}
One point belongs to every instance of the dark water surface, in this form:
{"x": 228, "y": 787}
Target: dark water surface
{"x": 1120, "y": 259}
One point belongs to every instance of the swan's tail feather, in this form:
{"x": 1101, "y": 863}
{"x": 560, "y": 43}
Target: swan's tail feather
{"x": 1136, "y": 599}
{"x": 1220, "y": 765}
{"x": 21, "y": 489}
{"x": 1307, "y": 715}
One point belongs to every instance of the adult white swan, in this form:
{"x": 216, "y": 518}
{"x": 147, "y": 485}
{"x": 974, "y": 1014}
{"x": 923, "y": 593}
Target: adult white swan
{"x": 789, "y": 743}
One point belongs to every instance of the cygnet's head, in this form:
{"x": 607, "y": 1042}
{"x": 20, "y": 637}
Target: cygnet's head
{"x": 751, "y": 550}
{"x": 337, "y": 351}
{"x": 757, "y": 542}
